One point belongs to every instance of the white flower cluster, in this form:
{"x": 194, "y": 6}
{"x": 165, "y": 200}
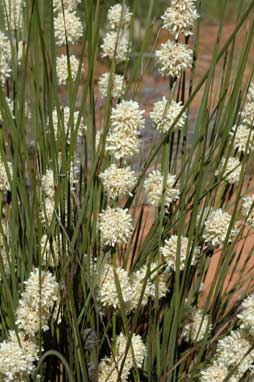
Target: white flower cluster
{"x": 109, "y": 368}
{"x": 180, "y": 17}
{"x": 4, "y": 181}
{"x": 13, "y": 15}
{"x": 173, "y": 253}
{"x": 153, "y": 186}
{"x": 117, "y": 181}
{"x": 164, "y": 114}
{"x": 234, "y": 354}
{"x": 37, "y": 302}
{"x": 248, "y": 208}
{"x": 48, "y": 184}
{"x": 62, "y": 68}
{"x": 196, "y": 325}
{"x": 117, "y": 85}
{"x": 216, "y": 228}
{"x": 3, "y": 255}
{"x": 173, "y": 58}
{"x": 151, "y": 282}
{"x": 246, "y": 315}
{"x": 123, "y": 138}
{"x": 67, "y": 26}
{"x": 17, "y": 359}
{"x": 5, "y": 57}
{"x": 116, "y": 43}
{"x": 65, "y": 121}
{"x": 243, "y": 138}
{"x": 115, "y": 226}
{"x": 67, "y": 4}
{"x": 49, "y": 259}
{"x": 19, "y": 352}
{"x": 119, "y": 17}
{"x": 230, "y": 169}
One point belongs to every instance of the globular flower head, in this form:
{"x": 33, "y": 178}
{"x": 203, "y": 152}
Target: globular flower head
{"x": 115, "y": 226}
{"x": 216, "y": 228}
{"x": 62, "y": 68}
{"x": 47, "y": 210}
{"x": 48, "y": 184}
{"x": 64, "y": 119}
{"x": 117, "y": 85}
{"x": 173, "y": 58}
{"x": 16, "y": 363}
{"x": 5, "y": 57}
{"x": 179, "y": 19}
{"x": 37, "y": 302}
{"x": 153, "y": 186}
{"x": 118, "y": 181}
{"x": 115, "y": 45}
{"x": 243, "y": 138}
{"x": 67, "y": 25}
{"x": 70, "y": 5}
{"x": 230, "y": 168}
{"x": 13, "y": 15}
{"x": 196, "y": 325}
{"x": 165, "y": 113}
{"x": 4, "y": 180}
{"x": 235, "y": 348}
{"x": 216, "y": 372}
{"x": 119, "y": 16}
{"x": 247, "y": 114}
{"x": 246, "y": 315}
{"x": 127, "y": 116}
{"x": 171, "y": 250}
{"x": 121, "y": 144}
{"x": 248, "y": 208}
{"x": 108, "y": 293}
{"x": 136, "y": 352}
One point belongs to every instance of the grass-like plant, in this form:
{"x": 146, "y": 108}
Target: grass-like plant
{"x": 126, "y": 229}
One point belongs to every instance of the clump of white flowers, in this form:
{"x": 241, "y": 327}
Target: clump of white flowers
{"x": 171, "y": 250}
{"x": 196, "y": 325}
{"x": 119, "y": 17}
{"x": 49, "y": 258}
{"x": 247, "y": 114}
{"x": 248, "y": 208}
{"x": 4, "y": 180}
{"x": 67, "y": 25}
{"x": 4, "y": 237}
{"x": 108, "y": 294}
{"x": 128, "y": 116}
{"x": 216, "y": 227}
{"x": 13, "y": 13}
{"x": 37, "y": 302}
{"x": 180, "y": 17}
{"x": 67, "y": 4}
{"x": 5, "y": 56}
{"x": 246, "y": 315}
{"x": 117, "y": 181}
{"x": 16, "y": 363}
{"x": 64, "y": 119}
{"x": 173, "y": 58}
{"x": 164, "y": 114}
{"x": 233, "y": 350}
{"x": 243, "y": 138}
{"x": 48, "y": 184}
{"x": 47, "y": 209}
{"x": 62, "y": 68}
{"x": 230, "y": 169}
{"x": 216, "y": 372}
{"x": 123, "y": 138}
{"x": 115, "y": 226}
{"x": 122, "y": 145}
{"x": 115, "y": 45}
{"x": 153, "y": 186}
{"x": 109, "y": 367}
{"x": 117, "y": 85}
